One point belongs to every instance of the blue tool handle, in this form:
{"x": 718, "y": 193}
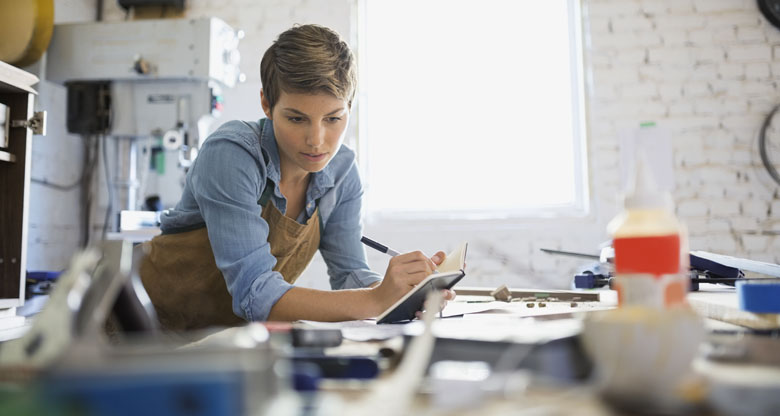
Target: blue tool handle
{"x": 590, "y": 281}
{"x": 759, "y": 297}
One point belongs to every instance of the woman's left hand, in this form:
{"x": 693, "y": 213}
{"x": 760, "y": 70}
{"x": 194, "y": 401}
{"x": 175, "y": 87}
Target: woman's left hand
{"x": 447, "y": 294}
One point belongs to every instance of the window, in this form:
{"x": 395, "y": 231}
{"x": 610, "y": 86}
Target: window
{"x": 471, "y": 109}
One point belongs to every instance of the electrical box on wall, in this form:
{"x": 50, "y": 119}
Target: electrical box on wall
{"x": 89, "y": 107}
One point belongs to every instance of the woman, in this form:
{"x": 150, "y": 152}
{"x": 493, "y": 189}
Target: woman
{"x": 263, "y": 197}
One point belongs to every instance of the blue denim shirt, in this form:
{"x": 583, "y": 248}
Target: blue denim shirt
{"x": 222, "y": 190}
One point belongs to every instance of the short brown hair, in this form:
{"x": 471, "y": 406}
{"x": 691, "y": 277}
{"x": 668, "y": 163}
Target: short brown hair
{"x": 309, "y": 59}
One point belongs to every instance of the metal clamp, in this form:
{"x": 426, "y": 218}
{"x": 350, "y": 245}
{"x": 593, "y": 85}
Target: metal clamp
{"x": 36, "y": 123}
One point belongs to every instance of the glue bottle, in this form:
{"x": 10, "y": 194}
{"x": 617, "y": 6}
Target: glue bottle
{"x": 651, "y": 250}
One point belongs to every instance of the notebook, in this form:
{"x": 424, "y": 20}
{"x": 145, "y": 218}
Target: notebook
{"x": 449, "y": 273}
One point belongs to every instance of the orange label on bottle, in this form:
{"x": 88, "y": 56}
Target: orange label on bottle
{"x": 656, "y": 255}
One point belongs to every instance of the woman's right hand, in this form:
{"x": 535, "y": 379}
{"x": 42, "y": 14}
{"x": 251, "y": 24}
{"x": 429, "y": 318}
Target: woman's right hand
{"x": 403, "y": 273}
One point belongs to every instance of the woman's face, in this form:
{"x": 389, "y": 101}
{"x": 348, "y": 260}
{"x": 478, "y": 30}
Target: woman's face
{"x": 309, "y": 129}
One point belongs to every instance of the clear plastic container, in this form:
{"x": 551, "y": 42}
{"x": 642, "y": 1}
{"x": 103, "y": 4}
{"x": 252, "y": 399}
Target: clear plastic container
{"x": 651, "y": 248}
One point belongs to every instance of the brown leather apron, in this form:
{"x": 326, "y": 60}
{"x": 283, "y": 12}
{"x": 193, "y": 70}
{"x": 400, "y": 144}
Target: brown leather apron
{"x": 188, "y": 290}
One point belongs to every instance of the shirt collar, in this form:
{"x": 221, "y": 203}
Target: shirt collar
{"x": 270, "y": 151}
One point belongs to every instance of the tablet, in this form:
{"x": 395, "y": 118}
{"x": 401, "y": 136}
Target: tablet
{"x": 412, "y": 302}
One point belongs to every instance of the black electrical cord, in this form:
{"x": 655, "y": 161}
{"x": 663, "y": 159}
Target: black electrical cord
{"x": 90, "y": 152}
{"x": 109, "y": 187}
{"x": 58, "y": 187}
{"x": 762, "y": 146}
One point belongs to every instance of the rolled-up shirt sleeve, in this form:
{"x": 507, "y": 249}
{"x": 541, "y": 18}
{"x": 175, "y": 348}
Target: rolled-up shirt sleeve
{"x": 226, "y": 180}
{"x": 340, "y": 244}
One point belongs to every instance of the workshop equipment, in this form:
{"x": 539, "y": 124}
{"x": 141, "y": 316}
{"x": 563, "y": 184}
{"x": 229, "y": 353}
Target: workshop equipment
{"x": 705, "y": 267}
{"x": 154, "y": 86}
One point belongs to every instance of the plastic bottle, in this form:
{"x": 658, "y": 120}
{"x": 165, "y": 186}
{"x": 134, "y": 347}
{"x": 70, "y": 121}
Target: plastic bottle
{"x": 651, "y": 253}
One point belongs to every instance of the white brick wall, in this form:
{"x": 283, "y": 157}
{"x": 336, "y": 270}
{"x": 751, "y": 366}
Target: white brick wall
{"x": 54, "y": 221}
{"x": 714, "y": 114}
{"x": 706, "y": 69}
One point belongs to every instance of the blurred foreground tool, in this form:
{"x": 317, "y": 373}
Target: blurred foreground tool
{"x": 67, "y": 360}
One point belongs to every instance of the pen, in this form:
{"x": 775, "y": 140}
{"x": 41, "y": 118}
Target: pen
{"x": 382, "y": 248}
{"x": 379, "y": 247}
{"x": 385, "y": 249}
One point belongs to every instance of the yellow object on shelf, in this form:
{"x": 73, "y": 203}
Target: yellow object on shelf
{"x": 26, "y": 28}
